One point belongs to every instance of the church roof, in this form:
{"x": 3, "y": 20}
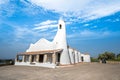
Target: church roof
{"x": 42, "y": 52}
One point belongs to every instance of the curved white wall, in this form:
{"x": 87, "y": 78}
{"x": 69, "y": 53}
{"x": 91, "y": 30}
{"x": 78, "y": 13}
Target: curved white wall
{"x": 42, "y": 44}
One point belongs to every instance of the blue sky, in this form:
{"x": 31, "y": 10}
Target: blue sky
{"x": 93, "y": 26}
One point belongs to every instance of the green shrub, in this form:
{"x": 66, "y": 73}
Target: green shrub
{"x": 94, "y": 60}
{"x": 117, "y": 59}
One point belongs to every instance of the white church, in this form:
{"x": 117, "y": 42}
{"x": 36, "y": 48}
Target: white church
{"x": 44, "y": 53}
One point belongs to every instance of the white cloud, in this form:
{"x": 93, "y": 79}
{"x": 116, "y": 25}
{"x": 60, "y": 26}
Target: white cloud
{"x": 61, "y": 5}
{"x": 113, "y": 20}
{"x": 31, "y": 10}
{"x": 86, "y": 25}
{"x": 70, "y": 10}
{"x": 4, "y": 1}
{"x": 95, "y": 34}
{"x": 6, "y": 8}
{"x": 21, "y": 32}
{"x": 88, "y": 34}
{"x": 46, "y": 24}
{"x": 116, "y": 20}
{"x": 9, "y": 8}
{"x": 94, "y": 26}
{"x": 102, "y": 10}
{"x": 80, "y": 9}
{"x": 26, "y": 33}
{"x": 54, "y": 30}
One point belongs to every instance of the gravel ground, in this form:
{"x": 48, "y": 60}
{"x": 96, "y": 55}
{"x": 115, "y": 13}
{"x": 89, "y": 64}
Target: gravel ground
{"x": 81, "y": 71}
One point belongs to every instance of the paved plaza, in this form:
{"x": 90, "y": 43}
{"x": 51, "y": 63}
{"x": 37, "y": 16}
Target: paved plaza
{"x": 81, "y": 71}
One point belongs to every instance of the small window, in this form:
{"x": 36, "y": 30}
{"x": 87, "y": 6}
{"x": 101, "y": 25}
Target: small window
{"x": 60, "y": 26}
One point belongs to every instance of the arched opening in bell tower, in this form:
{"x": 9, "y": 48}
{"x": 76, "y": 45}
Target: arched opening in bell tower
{"x": 60, "y": 26}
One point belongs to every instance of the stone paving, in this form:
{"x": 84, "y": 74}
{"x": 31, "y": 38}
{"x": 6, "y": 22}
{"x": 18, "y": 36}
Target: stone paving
{"x": 81, "y": 71}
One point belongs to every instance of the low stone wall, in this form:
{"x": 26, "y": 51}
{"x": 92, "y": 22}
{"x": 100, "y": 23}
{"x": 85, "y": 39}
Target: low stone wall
{"x": 113, "y": 62}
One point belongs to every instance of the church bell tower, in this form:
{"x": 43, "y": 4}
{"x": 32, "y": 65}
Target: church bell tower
{"x": 61, "y": 42}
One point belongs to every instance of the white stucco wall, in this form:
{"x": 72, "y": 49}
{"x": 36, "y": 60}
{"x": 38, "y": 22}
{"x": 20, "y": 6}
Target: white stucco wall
{"x": 61, "y": 43}
{"x": 76, "y": 56}
{"x": 86, "y": 57}
{"x": 41, "y": 45}
{"x": 71, "y": 53}
{"x": 79, "y": 57}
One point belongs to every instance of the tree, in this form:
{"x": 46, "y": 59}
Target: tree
{"x": 118, "y": 55}
{"x": 107, "y": 56}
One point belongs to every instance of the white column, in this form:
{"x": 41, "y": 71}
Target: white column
{"x": 23, "y": 58}
{"x": 54, "y": 58}
{"x": 37, "y": 58}
{"x": 16, "y": 59}
{"x": 30, "y": 58}
{"x": 45, "y": 58}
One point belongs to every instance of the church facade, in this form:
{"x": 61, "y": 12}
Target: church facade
{"x": 51, "y": 54}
